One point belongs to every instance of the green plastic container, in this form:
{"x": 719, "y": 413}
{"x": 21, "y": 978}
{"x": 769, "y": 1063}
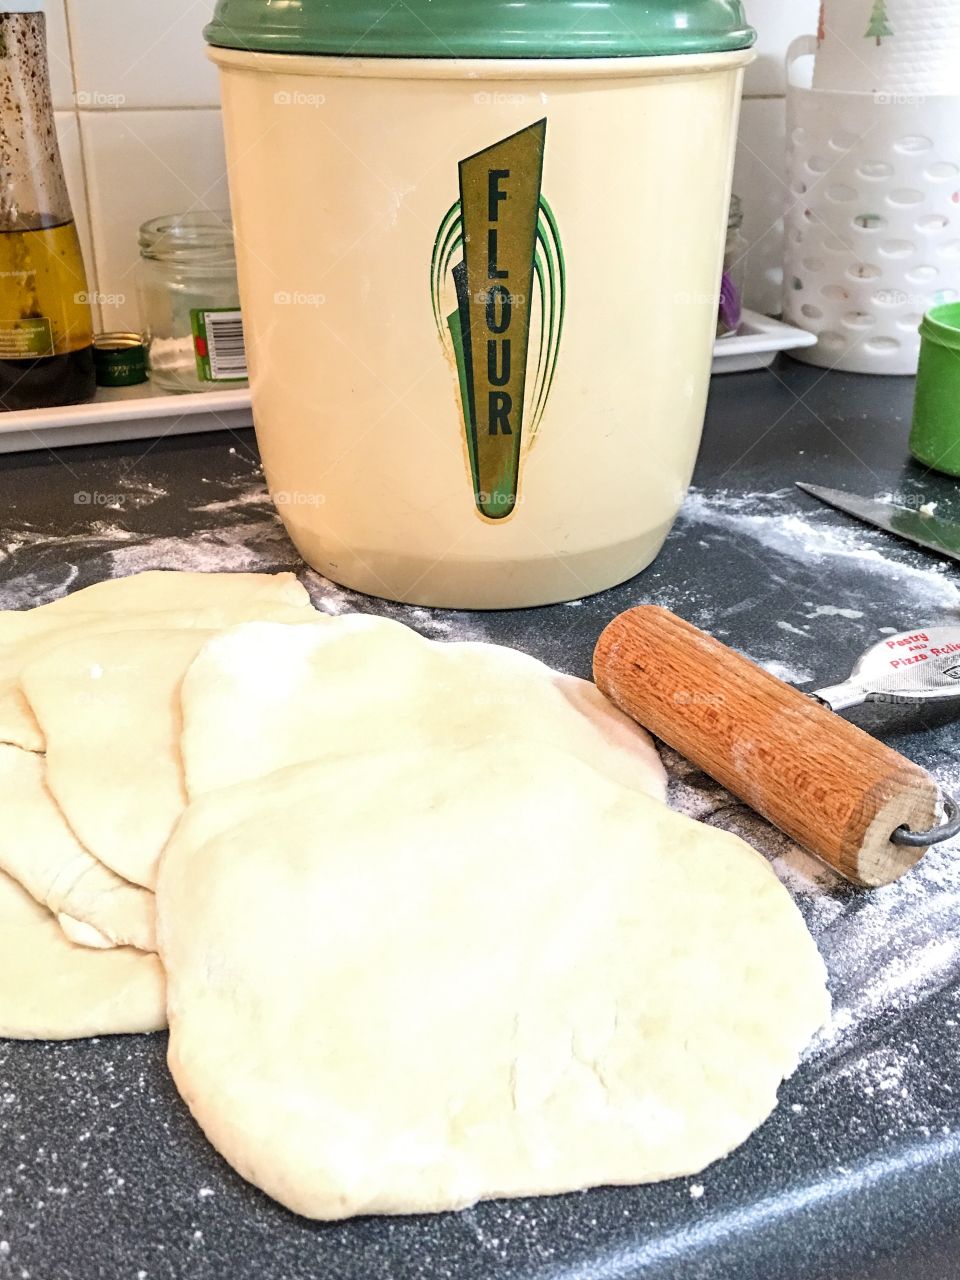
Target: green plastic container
{"x": 482, "y": 28}
{"x": 935, "y": 439}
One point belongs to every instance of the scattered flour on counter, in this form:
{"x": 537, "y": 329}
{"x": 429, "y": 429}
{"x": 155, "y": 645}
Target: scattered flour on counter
{"x": 246, "y": 535}
{"x": 831, "y": 611}
{"x": 255, "y": 497}
{"x": 815, "y": 541}
{"x": 234, "y": 548}
{"x": 51, "y": 572}
{"x": 138, "y": 492}
{"x": 330, "y": 598}
{"x": 794, "y": 631}
{"x": 790, "y": 675}
{"x": 429, "y": 621}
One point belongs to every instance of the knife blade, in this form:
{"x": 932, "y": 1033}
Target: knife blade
{"x": 927, "y": 531}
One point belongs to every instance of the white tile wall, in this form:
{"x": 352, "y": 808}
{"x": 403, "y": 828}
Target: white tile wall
{"x": 140, "y": 131}
{"x": 58, "y": 48}
{"x": 778, "y": 23}
{"x": 139, "y": 165}
{"x": 141, "y": 54}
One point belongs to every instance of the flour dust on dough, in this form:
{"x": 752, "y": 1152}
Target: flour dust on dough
{"x": 51, "y": 989}
{"x": 407, "y": 982}
{"x": 155, "y": 599}
{"x": 261, "y": 697}
{"x": 38, "y": 849}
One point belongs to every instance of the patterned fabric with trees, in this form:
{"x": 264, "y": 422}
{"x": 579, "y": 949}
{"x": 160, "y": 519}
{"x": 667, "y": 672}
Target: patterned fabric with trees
{"x": 879, "y": 25}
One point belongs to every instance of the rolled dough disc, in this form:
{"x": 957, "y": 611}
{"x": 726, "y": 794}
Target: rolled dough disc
{"x": 108, "y": 706}
{"x": 53, "y": 990}
{"x": 38, "y": 849}
{"x": 404, "y": 983}
{"x": 162, "y": 590}
{"x": 168, "y": 599}
{"x": 261, "y": 697}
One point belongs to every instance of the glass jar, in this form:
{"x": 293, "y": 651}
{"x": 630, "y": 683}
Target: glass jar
{"x": 190, "y": 304}
{"x": 734, "y": 262}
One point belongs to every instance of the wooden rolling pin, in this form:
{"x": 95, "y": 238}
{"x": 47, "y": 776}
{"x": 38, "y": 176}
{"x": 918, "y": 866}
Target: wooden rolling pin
{"x": 830, "y": 786}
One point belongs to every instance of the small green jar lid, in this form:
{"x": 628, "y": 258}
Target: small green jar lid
{"x": 119, "y": 359}
{"x": 482, "y": 28}
{"x": 941, "y": 324}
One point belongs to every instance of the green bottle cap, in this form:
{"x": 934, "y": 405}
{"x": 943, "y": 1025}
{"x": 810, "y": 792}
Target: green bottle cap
{"x": 482, "y": 28}
{"x": 120, "y": 359}
{"x": 935, "y": 438}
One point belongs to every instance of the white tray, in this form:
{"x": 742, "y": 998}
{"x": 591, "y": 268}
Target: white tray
{"x": 125, "y": 413}
{"x": 144, "y": 413}
{"x": 757, "y": 343}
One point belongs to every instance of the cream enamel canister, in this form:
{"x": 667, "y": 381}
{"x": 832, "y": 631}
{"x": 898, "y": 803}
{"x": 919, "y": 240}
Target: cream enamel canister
{"x": 479, "y": 292}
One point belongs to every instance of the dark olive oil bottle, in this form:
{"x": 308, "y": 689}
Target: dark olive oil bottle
{"x": 46, "y": 328}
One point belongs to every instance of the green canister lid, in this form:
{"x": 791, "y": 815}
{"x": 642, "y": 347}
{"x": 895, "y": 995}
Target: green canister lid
{"x": 482, "y": 28}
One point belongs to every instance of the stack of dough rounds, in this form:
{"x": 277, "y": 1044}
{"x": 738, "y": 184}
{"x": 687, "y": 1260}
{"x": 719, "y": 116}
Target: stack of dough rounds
{"x": 40, "y": 851}
{"x": 76, "y": 870}
{"x": 428, "y": 931}
{"x": 146, "y": 600}
{"x": 55, "y": 990}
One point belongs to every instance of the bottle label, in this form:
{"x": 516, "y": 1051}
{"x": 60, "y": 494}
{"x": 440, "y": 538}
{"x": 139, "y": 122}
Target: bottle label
{"x": 23, "y": 339}
{"x": 218, "y": 345}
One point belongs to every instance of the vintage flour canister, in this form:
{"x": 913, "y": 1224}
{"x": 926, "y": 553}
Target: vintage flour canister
{"x": 479, "y": 246}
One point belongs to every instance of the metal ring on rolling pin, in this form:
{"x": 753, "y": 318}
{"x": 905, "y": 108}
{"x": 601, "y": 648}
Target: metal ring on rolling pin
{"x": 923, "y": 839}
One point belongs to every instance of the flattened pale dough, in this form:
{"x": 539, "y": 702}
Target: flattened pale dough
{"x": 170, "y": 600}
{"x": 108, "y": 706}
{"x": 53, "y": 990}
{"x": 262, "y": 697}
{"x": 39, "y": 850}
{"x": 110, "y": 714}
{"x": 160, "y": 590}
{"x": 405, "y": 983}
{"x": 85, "y": 935}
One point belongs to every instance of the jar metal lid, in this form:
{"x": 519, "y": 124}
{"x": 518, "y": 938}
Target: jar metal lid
{"x": 119, "y": 359}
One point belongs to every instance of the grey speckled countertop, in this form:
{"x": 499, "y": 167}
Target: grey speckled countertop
{"x": 103, "y": 1175}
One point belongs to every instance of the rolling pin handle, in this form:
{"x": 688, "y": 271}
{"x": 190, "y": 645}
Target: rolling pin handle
{"x": 937, "y": 835}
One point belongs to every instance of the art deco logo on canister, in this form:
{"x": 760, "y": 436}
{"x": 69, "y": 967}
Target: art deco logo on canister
{"x": 498, "y": 261}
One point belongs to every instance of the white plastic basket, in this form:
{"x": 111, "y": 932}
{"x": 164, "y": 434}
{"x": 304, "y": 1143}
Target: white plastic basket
{"x": 873, "y": 224}
{"x": 898, "y": 46}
